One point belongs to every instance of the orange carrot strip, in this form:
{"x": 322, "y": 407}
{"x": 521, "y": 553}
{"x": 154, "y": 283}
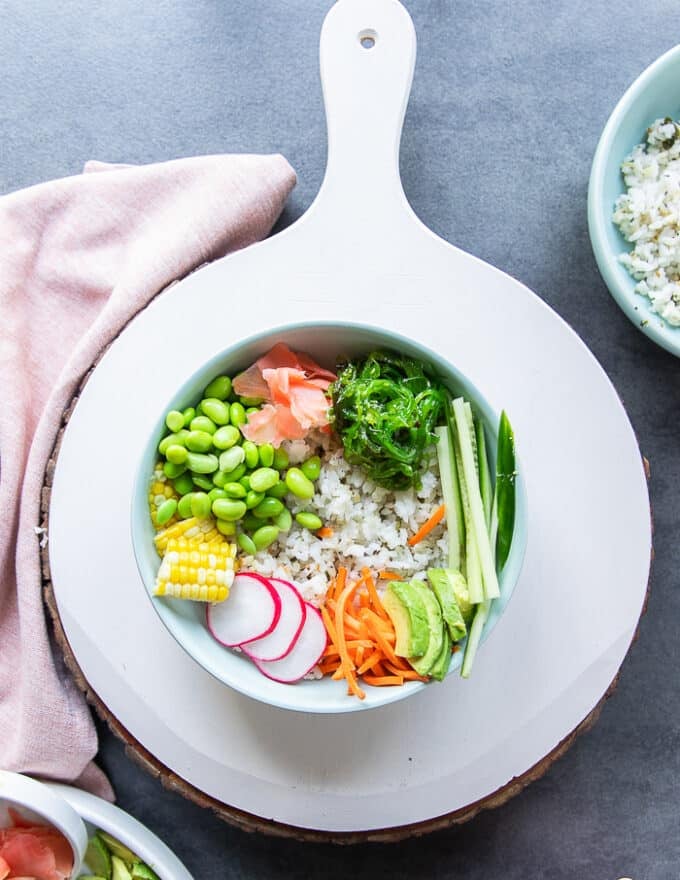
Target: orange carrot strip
{"x": 428, "y": 525}
{"x": 383, "y": 644}
{"x": 406, "y": 674}
{"x": 364, "y": 600}
{"x": 340, "y": 622}
{"x": 361, "y": 650}
{"x": 330, "y": 626}
{"x": 373, "y": 593}
{"x": 324, "y": 532}
{"x": 353, "y": 687}
{"x": 389, "y": 576}
{"x": 379, "y": 669}
{"x": 370, "y": 662}
{"x": 340, "y": 582}
{"x": 383, "y": 680}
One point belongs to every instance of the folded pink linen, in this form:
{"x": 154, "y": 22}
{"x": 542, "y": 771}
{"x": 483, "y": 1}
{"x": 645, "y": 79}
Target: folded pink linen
{"x": 79, "y": 257}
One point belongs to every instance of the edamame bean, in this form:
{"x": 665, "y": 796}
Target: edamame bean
{"x": 183, "y": 484}
{"x": 284, "y": 520}
{"x": 252, "y": 409}
{"x": 184, "y": 506}
{"x": 220, "y": 479}
{"x": 166, "y": 511}
{"x": 200, "y": 505}
{"x": 281, "y": 459}
{"x": 266, "y": 453}
{"x": 226, "y": 528}
{"x": 172, "y": 470}
{"x": 232, "y": 458}
{"x": 253, "y": 499}
{"x": 176, "y": 454}
{"x": 298, "y": 483}
{"x": 237, "y": 414}
{"x": 246, "y": 544}
{"x": 204, "y": 483}
{"x": 214, "y": 494}
{"x": 219, "y": 388}
{"x": 188, "y": 414}
{"x": 245, "y": 482}
{"x": 203, "y": 423}
{"x": 308, "y": 520}
{"x": 251, "y": 401}
{"x": 263, "y": 479}
{"x": 202, "y": 464}
{"x": 234, "y": 490}
{"x": 264, "y": 536}
{"x": 250, "y": 523}
{"x": 216, "y": 410}
{"x": 226, "y": 437}
{"x": 311, "y": 468}
{"x": 251, "y": 453}
{"x": 280, "y": 490}
{"x": 235, "y": 475}
{"x": 268, "y": 508}
{"x": 171, "y": 440}
{"x": 174, "y": 420}
{"x": 199, "y": 441}
{"x": 229, "y": 509}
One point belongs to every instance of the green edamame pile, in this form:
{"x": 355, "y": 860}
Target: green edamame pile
{"x": 217, "y": 472}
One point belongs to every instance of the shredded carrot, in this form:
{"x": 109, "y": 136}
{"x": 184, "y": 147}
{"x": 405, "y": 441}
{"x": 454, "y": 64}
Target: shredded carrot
{"x": 361, "y": 635}
{"x": 389, "y": 576}
{"x": 324, "y": 532}
{"x": 427, "y": 526}
{"x": 382, "y": 680}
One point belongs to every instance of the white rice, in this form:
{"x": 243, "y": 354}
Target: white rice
{"x": 370, "y": 525}
{"x": 648, "y": 215}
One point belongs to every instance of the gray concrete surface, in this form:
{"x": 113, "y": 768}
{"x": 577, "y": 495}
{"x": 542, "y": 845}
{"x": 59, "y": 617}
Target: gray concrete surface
{"x": 507, "y": 105}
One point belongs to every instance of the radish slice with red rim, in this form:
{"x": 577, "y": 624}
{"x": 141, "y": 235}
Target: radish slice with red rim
{"x": 283, "y": 637}
{"x": 306, "y": 652}
{"x": 251, "y": 611}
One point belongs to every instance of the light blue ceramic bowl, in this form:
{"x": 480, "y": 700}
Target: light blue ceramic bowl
{"x": 186, "y": 620}
{"x": 654, "y": 94}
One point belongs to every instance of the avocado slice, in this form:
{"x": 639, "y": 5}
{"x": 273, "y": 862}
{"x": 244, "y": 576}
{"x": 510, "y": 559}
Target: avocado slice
{"x": 435, "y": 623}
{"x": 442, "y": 581}
{"x": 120, "y": 869}
{"x": 98, "y": 857}
{"x": 117, "y": 848}
{"x": 141, "y": 871}
{"x": 407, "y": 612}
{"x": 443, "y": 661}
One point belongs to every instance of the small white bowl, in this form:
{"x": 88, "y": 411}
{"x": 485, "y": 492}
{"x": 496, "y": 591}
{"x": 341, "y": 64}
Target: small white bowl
{"x": 35, "y": 802}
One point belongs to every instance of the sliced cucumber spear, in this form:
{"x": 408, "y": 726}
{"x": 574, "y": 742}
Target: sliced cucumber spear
{"x": 474, "y": 635}
{"x": 477, "y": 517}
{"x": 451, "y": 496}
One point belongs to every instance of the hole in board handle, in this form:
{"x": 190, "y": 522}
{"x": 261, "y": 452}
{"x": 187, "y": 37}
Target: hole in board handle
{"x": 368, "y": 38}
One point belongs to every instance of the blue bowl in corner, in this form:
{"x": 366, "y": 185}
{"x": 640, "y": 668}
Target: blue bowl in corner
{"x": 186, "y": 620}
{"x": 653, "y": 95}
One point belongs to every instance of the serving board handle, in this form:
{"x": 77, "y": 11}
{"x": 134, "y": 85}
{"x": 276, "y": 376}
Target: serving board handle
{"x": 367, "y": 56}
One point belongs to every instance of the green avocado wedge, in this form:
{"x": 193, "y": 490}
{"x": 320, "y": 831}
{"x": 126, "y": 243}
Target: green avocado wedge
{"x": 423, "y": 665}
{"x": 98, "y": 857}
{"x": 443, "y": 661}
{"x": 445, "y": 582}
{"x": 116, "y": 848}
{"x": 120, "y": 869}
{"x": 407, "y": 612}
{"x": 141, "y": 871}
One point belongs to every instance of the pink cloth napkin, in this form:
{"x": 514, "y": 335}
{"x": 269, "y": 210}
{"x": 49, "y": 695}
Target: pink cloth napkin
{"x": 78, "y": 258}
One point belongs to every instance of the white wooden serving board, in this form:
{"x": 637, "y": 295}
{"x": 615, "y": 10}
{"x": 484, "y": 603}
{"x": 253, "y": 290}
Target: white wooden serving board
{"x": 360, "y": 254}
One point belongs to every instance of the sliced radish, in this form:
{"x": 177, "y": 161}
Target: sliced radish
{"x": 282, "y": 638}
{"x": 306, "y": 652}
{"x": 251, "y": 611}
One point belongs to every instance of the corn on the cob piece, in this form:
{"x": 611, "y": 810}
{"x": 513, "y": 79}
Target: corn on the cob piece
{"x": 201, "y": 571}
{"x": 197, "y": 531}
{"x": 159, "y": 492}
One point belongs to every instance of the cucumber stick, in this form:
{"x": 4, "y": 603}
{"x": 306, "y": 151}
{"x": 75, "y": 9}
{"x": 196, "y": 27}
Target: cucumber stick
{"x": 474, "y": 637}
{"x": 474, "y": 496}
{"x": 485, "y": 486}
{"x": 472, "y": 572}
{"x": 451, "y": 495}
